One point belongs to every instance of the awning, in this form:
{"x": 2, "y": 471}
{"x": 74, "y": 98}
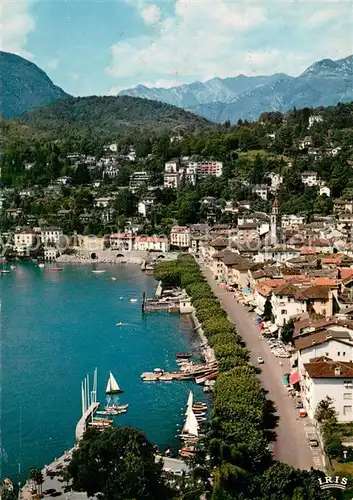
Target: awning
{"x": 294, "y": 377}
{"x": 284, "y": 379}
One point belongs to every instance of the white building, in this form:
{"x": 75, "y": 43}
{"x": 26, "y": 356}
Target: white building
{"x": 310, "y": 179}
{"x": 305, "y": 143}
{"x": 284, "y": 304}
{"x": 321, "y": 378}
{"x": 111, "y": 147}
{"x": 151, "y": 244}
{"x": 138, "y": 179}
{"x": 314, "y": 119}
{"x": 103, "y": 202}
{"x": 50, "y": 253}
{"x": 276, "y": 181}
{"x": 172, "y": 180}
{"x": 64, "y": 180}
{"x": 122, "y": 241}
{"x": 145, "y": 205}
{"x": 50, "y": 235}
{"x": 24, "y": 240}
{"x": 191, "y": 175}
{"x": 292, "y": 221}
{"x": 172, "y": 166}
{"x": 180, "y": 236}
{"x": 325, "y": 190}
{"x": 261, "y": 190}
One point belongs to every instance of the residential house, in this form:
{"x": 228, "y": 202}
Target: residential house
{"x": 340, "y": 205}
{"x": 25, "y": 240}
{"x": 180, "y": 236}
{"x": 50, "y": 236}
{"x": 103, "y": 202}
{"x": 285, "y": 305}
{"x": 122, "y": 241}
{"x": 172, "y": 180}
{"x": 305, "y": 143}
{"x": 151, "y": 244}
{"x": 14, "y": 213}
{"x": 314, "y": 119}
{"x": 50, "y": 253}
{"x": 172, "y": 166}
{"x": 145, "y": 205}
{"x": 310, "y": 178}
{"x": 64, "y": 180}
{"x": 138, "y": 179}
{"x": 325, "y": 190}
{"x": 261, "y": 190}
{"x": 209, "y": 167}
{"x": 276, "y": 181}
{"x": 324, "y": 377}
{"x": 279, "y": 253}
{"x": 292, "y": 221}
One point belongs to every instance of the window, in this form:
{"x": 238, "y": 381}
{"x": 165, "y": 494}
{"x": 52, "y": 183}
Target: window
{"x": 326, "y": 354}
{"x": 347, "y": 410}
{"x": 343, "y": 353}
{"x": 338, "y": 353}
{"x": 283, "y": 311}
{"x": 348, "y": 384}
{"x": 347, "y": 395}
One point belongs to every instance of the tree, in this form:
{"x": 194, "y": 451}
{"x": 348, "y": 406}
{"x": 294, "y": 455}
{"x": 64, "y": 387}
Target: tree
{"x": 7, "y": 494}
{"x": 267, "y": 315}
{"x": 36, "y": 476}
{"x": 287, "y": 331}
{"x": 325, "y": 412}
{"x": 118, "y": 462}
{"x": 333, "y": 447}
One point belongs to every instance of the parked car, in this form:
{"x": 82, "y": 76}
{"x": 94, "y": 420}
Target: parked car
{"x": 313, "y": 441}
{"x": 260, "y": 360}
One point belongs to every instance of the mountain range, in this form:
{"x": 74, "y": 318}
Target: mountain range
{"x": 24, "y": 86}
{"x": 324, "y": 83}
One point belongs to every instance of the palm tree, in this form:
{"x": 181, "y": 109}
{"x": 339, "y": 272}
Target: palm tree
{"x": 36, "y": 475}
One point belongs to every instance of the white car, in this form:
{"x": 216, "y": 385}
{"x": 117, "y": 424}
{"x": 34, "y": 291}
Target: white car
{"x": 260, "y": 360}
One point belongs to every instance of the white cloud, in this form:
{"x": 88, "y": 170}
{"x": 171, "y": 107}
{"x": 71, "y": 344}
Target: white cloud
{"x": 151, "y": 14}
{"x": 203, "y": 39}
{"x": 53, "y": 64}
{"x": 16, "y": 23}
{"x": 74, "y": 76}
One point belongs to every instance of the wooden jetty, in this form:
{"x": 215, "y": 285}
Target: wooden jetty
{"x": 83, "y": 422}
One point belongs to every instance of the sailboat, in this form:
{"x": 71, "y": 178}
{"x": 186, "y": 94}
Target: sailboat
{"x": 112, "y": 385}
{"x": 190, "y": 402}
{"x": 191, "y": 426}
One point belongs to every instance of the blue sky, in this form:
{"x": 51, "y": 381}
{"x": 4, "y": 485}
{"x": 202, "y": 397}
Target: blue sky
{"x": 100, "y": 47}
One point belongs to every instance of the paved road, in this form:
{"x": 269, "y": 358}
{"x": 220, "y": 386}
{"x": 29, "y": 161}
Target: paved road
{"x": 291, "y": 445}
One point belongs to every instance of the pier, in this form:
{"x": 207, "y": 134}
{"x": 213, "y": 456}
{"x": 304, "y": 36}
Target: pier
{"x": 82, "y": 423}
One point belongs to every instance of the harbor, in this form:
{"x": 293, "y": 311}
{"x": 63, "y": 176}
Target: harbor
{"x": 35, "y": 427}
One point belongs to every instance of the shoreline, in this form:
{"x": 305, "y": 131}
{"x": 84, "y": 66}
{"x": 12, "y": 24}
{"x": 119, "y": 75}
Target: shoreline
{"x": 206, "y": 351}
{"x": 75, "y": 259}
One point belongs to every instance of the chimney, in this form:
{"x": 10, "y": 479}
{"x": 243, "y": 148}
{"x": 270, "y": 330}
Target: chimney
{"x": 337, "y": 371}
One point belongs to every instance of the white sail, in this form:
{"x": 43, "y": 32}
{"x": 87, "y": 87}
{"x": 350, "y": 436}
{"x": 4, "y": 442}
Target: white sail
{"x": 112, "y": 385}
{"x": 190, "y": 402}
{"x": 191, "y": 426}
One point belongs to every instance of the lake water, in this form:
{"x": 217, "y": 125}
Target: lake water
{"x": 56, "y": 327}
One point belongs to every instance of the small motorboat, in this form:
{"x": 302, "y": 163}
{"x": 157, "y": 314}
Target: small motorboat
{"x": 133, "y": 300}
{"x": 113, "y": 278}
{"x": 184, "y": 355}
{"x": 13, "y": 267}
{"x": 4, "y": 271}
{"x": 119, "y": 324}
{"x": 121, "y": 298}
{"x": 99, "y": 271}
{"x": 41, "y": 265}
{"x": 56, "y": 268}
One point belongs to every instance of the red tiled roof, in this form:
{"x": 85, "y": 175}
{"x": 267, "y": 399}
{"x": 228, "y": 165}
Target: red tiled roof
{"x": 307, "y": 251}
{"x": 263, "y": 289}
{"x": 329, "y": 369}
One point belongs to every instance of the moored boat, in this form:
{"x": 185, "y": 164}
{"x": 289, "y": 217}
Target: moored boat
{"x": 56, "y": 268}
{"x": 99, "y": 271}
{"x": 184, "y": 355}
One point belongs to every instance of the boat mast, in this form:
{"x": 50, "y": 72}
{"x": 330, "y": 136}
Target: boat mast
{"x": 83, "y": 400}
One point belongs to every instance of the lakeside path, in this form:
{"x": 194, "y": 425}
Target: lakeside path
{"x": 291, "y": 446}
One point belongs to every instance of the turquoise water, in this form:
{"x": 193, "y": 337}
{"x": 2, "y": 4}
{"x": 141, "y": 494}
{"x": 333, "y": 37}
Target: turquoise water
{"x": 58, "y": 326}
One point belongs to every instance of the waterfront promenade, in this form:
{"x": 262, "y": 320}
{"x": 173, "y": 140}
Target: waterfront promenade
{"x": 291, "y": 446}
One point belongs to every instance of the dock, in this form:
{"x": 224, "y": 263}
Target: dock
{"x": 82, "y": 423}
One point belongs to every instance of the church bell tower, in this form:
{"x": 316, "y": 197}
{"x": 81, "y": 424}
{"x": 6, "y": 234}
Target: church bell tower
{"x": 276, "y": 226}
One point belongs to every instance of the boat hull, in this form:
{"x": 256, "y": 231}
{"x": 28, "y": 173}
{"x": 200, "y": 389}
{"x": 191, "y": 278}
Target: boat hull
{"x": 113, "y": 392}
